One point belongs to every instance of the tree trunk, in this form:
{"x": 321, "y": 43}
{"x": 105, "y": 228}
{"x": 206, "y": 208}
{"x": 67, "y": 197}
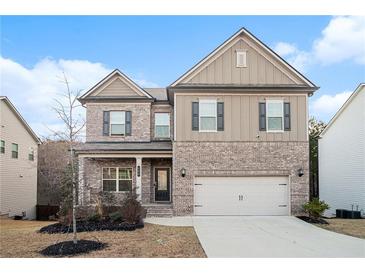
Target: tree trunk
{"x": 73, "y": 198}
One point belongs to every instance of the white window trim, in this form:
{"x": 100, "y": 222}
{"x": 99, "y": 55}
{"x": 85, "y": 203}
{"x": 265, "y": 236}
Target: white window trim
{"x": 110, "y": 124}
{"x": 216, "y": 118}
{"x": 238, "y": 53}
{"x": 117, "y": 179}
{"x": 282, "y": 116}
{"x": 168, "y": 137}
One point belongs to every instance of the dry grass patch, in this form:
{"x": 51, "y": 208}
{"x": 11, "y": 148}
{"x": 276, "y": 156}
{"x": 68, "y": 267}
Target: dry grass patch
{"x": 21, "y": 239}
{"x": 351, "y": 227}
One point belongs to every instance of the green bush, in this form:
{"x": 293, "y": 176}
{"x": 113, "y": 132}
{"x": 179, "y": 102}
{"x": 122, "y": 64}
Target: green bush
{"x": 95, "y": 217}
{"x": 115, "y": 216}
{"x": 315, "y": 208}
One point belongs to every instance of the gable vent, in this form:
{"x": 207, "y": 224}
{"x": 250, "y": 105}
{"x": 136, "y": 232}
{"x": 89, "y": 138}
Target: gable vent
{"x": 241, "y": 58}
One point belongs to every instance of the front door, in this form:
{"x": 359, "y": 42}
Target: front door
{"x": 162, "y": 184}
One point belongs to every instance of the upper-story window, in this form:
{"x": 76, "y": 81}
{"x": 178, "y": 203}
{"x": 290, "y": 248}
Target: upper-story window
{"x": 207, "y": 115}
{"x": 31, "y": 155}
{"x": 162, "y": 125}
{"x": 2, "y": 146}
{"x": 117, "y": 123}
{"x": 275, "y": 115}
{"x": 14, "y": 150}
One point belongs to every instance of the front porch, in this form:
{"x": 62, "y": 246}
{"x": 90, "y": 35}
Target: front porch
{"x": 148, "y": 173}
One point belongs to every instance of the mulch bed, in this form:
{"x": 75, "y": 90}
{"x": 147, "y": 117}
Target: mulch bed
{"x": 88, "y": 226}
{"x": 68, "y": 248}
{"x": 313, "y": 220}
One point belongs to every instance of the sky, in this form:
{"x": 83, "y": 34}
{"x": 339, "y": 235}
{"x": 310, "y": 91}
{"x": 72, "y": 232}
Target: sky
{"x": 155, "y": 50}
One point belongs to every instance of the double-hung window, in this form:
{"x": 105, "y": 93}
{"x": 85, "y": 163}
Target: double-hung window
{"x": 162, "y": 125}
{"x": 14, "y": 151}
{"x": 207, "y": 115}
{"x": 117, "y": 123}
{"x": 117, "y": 179}
{"x": 31, "y": 155}
{"x": 275, "y": 115}
{"x": 2, "y": 146}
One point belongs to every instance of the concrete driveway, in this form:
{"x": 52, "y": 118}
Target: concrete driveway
{"x": 272, "y": 237}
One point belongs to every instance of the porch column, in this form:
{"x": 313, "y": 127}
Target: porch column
{"x": 139, "y": 178}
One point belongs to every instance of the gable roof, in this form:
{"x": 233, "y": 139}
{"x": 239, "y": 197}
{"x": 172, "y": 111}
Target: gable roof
{"x": 360, "y": 87}
{"x": 160, "y": 94}
{"x": 115, "y": 72}
{"x": 244, "y": 31}
{"x": 21, "y": 119}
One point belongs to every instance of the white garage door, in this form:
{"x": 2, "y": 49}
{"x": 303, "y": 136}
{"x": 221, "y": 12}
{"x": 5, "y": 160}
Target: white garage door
{"x": 241, "y": 196}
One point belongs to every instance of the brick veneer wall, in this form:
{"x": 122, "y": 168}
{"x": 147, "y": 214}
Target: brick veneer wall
{"x": 141, "y": 126}
{"x": 239, "y": 159}
{"x": 91, "y": 177}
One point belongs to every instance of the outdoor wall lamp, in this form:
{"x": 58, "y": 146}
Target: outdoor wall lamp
{"x": 300, "y": 172}
{"x": 183, "y": 172}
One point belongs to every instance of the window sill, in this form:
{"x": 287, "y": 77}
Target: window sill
{"x": 112, "y": 191}
{"x": 275, "y": 131}
{"x": 162, "y": 138}
{"x": 205, "y": 131}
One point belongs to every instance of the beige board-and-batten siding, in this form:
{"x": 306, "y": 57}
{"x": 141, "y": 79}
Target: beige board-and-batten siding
{"x": 261, "y": 68}
{"x": 241, "y": 118}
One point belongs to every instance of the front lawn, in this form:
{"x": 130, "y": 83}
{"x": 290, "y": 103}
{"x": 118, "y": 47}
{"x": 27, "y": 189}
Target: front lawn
{"x": 21, "y": 239}
{"x": 352, "y": 227}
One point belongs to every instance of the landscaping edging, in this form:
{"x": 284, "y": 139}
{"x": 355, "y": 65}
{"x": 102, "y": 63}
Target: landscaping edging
{"x": 313, "y": 220}
{"x": 88, "y": 226}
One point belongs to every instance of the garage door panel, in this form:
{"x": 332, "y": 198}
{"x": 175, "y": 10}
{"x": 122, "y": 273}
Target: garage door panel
{"x": 241, "y": 196}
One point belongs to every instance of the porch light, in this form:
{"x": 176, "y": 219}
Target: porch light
{"x": 300, "y": 172}
{"x": 183, "y": 172}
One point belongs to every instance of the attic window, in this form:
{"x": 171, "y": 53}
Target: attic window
{"x": 241, "y": 60}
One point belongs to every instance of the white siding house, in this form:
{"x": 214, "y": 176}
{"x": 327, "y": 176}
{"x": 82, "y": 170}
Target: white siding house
{"x": 18, "y": 163}
{"x": 342, "y": 156}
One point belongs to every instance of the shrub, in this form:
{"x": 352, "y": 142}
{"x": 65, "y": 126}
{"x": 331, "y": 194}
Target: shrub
{"x": 95, "y": 217}
{"x": 116, "y": 216}
{"x": 132, "y": 210}
{"x": 315, "y": 208}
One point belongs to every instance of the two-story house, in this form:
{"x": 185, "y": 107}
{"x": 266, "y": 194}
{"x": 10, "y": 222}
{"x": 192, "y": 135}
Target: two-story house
{"x": 18, "y": 163}
{"x": 229, "y": 137}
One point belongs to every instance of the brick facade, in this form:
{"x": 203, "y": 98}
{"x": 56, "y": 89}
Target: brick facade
{"x": 141, "y": 122}
{"x": 90, "y": 171}
{"x": 239, "y": 159}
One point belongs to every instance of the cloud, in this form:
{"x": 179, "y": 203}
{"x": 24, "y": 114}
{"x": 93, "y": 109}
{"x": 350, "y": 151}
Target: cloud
{"x": 285, "y": 49}
{"x": 343, "y": 39}
{"x": 297, "y": 58}
{"x": 327, "y": 105}
{"x": 33, "y": 90}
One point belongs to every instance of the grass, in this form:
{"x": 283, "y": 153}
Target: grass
{"x": 20, "y": 239}
{"x": 351, "y": 227}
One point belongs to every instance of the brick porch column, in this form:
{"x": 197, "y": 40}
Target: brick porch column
{"x": 139, "y": 178}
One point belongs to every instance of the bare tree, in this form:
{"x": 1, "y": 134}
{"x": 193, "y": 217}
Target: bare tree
{"x": 65, "y": 108}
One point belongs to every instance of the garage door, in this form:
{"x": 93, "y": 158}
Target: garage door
{"x": 241, "y": 196}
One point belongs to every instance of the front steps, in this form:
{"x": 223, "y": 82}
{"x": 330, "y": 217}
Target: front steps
{"x": 158, "y": 210}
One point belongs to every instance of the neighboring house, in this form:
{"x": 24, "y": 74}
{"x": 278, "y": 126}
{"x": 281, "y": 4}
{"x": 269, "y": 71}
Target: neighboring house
{"x": 18, "y": 163}
{"x": 229, "y": 137}
{"x": 342, "y": 156}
